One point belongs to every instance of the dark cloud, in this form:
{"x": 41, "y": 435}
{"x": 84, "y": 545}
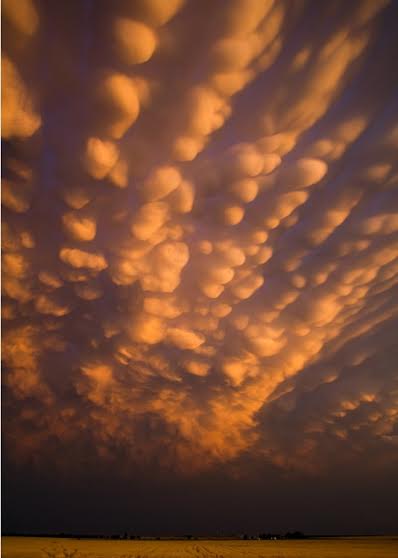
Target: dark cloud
{"x": 200, "y": 241}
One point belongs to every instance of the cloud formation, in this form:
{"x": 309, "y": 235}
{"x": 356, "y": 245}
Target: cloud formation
{"x": 200, "y": 230}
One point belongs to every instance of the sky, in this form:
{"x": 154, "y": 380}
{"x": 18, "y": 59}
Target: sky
{"x": 200, "y": 266}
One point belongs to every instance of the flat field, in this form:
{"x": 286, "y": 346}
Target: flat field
{"x": 356, "y": 547}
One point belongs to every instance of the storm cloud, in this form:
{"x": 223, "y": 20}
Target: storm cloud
{"x": 200, "y": 233}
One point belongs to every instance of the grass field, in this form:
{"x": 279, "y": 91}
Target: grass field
{"x": 358, "y": 547}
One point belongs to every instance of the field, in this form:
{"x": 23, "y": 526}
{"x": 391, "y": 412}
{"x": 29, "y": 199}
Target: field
{"x": 363, "y": 547}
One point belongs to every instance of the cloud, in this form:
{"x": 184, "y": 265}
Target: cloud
{"x": 161, "y": 182}
{"x": 135, "y": 41}
{"x": 118, "y": 102}
{"x": 100, "y": 157}
{"x": 184, "y": 339}
{"x": 146, "y": 329}
{"x": 18, "y": 117}
{"x": 149, "y": 219}
{"x": 157, "y": 12}
{"x": 200, "y": 232}
{"x": 79, "y": 258}
{"x": 79, "y": 227}
{"x": 24, "y": 17}
{"x": 49, "y": 305}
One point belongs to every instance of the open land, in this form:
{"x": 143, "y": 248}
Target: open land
{"x": 347, "y": 547}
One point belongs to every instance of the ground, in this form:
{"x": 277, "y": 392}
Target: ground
{"x": 361, "y": 547}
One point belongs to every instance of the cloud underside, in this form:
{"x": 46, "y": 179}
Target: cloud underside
{"x": 200, "y": 231}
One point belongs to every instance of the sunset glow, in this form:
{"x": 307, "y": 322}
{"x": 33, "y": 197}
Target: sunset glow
{"x": 200, "y": 236}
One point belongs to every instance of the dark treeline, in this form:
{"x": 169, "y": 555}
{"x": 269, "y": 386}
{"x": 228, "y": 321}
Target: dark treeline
{"x": 277, "y": 536}
{"x": 127, "y": 536}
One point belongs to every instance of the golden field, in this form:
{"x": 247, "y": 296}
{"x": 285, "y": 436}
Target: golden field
{"x": 361, "y": 547}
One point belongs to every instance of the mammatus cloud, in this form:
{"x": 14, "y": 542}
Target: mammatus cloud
{"x": 200, "y": 230}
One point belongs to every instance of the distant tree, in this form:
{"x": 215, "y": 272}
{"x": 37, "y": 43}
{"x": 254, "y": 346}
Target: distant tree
{"x": 269, "y": 536}
{"x": 295, "y": 535}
